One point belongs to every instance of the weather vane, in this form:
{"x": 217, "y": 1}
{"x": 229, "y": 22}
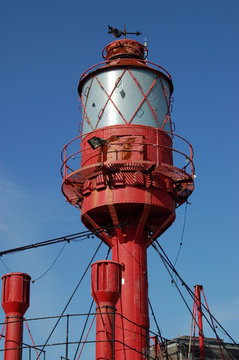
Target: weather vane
{"x": 118, "y": 33}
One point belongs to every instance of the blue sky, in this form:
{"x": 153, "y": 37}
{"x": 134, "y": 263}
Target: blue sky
{"x": 45, "y": 46}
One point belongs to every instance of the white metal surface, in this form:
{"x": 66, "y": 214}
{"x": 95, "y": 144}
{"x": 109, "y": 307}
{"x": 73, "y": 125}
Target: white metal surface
{"x": 118, "y": 96}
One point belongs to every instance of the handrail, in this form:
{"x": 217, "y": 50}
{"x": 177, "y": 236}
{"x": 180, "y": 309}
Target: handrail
{"x": 160, "y": 67}
{"x": 64, "y": 163}
{"x": 86, "y": 72}
{"x": 189, "y": 157}
{"x": 79, "y": 315}
{"x": 64, "y": 167}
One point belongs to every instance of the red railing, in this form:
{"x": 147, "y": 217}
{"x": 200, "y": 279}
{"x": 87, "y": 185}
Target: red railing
{"x": 144, "y": 62}
{"x": 66, "y": 168}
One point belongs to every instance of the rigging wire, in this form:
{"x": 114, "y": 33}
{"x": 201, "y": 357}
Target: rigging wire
{"x": 155, "y": 320}
{"x": 34, "y": 345}
{"x": 88, "y": 315}
{"x": 5, "y": 265}
{"x": 218, "y": 339}
{"x": 204, "y": 307}
{"x": 67, "y": 238}
{"x": 57, "y": 257}
{"x": 71, "y": 297}
{"x": 191, "y": 293}
{"x": 73, "y": 237}
{"x": 182, "y": 235}
{"x": 167, "y": 263}
{"x": 84, "y": 342}
{"x": 83, "y": 330}
{"x": 159, "y": 331}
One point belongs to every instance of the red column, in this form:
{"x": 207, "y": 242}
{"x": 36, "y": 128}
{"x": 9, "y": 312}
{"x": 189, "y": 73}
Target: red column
{"x": 197, "y": 293}
{"x": 15, "y": 302}
{"x": 132, "y": 319}
{"x": 105, "y": 288}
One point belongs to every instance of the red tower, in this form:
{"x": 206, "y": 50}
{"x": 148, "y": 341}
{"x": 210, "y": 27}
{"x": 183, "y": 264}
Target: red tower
{"x": 122, "y": 174}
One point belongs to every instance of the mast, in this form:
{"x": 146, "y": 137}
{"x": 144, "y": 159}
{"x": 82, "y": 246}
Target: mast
{"x": 197, "y": 299}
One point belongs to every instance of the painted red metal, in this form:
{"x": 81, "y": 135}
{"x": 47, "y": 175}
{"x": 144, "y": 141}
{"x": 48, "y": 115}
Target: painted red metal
{"x": 134, "y": 168}
{"x": 15, "y": 302}
{"x": 124, "y": 48}
{"x": 105, "y": 288}
{"x": 130, "y": 182}
{"x": 197, "y": 299}
{"x": 132, "y": 320}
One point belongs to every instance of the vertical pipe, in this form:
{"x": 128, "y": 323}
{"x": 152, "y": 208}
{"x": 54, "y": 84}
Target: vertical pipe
{"x": 155, "y": 340}
{"x": 197, "y": 294}
{"x": 132, "y": 317}
{"x": 157, "y": 148}
{"x": 15, "y": 302}
{"x": 105, "y": 288}
{"x": 67, "y": 335}
{"x": 166, "y": 346}
{"x": 113, "y": 336}
{"x": 65, "y": 165}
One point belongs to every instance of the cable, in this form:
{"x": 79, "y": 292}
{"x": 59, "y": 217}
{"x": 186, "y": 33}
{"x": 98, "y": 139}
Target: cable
{"x": 68, "y": 302}
{"x": 191, "y": 293}
{"x": 57, "y": 257}
{"x": 168, "y": 262}
{"x": 5, "y": 265}
{"x": 86, "y": 321}
{"x": 1, "y": 335}
{"x": 84, "y": 342}
{"x": 47, "y": 242}
{"x": 67, "y": 238}
{"x": 34, "y": 346}
{"x": 155, "y": 320}
{"x": 83, "y": 330}
{"x": 159, "y": 332}
{"x": 182, "y": 235}
{"x": 165, "y": 262}
{"x": 108, "y": 253}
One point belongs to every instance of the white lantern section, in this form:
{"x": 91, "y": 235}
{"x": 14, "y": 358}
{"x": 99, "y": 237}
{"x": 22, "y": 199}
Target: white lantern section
{"x": 125, "y": 96}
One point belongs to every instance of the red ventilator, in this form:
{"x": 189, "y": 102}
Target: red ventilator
{"x": 105, "y": 288}
{"x": 15, "y": 302}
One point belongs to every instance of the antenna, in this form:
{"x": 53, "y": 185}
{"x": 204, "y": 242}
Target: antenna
{"x": 118, "y": 33}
